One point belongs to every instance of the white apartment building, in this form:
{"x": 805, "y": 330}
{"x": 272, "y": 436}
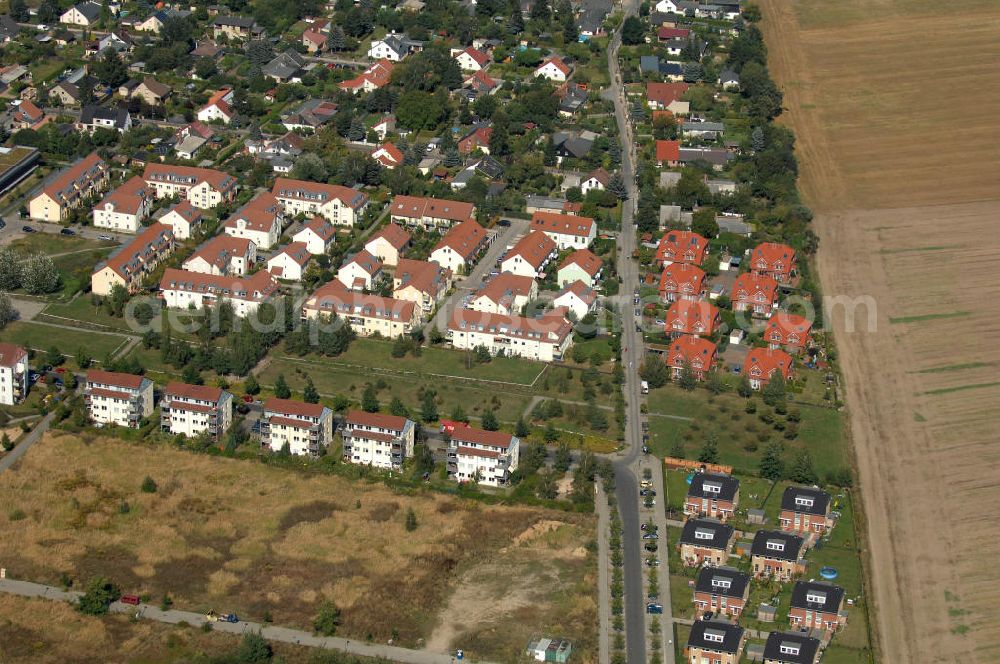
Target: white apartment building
{"x": 13, "y": 374}
{"x": 203, "y": 187}
{"x": 304, "y": 427}
{"x": 530, "y": 255}
{"x": 383, "y": 441}
{"x": 504, "y": 294}
{"x": 568, "y": 231}
{"x": 184, "y": 218}
{"x": 486, "y": 457}
{"x": 194, "y": 409}
{"x": 341, "y": 206}
{"x": 430, "y": 213}
{"x": 181, "y": 289}
{"x": 546, "y": 339}
{"x": 317, "y": 234}
{"x": 118, "y": 398}
{"x": 223, "y": 254}
{"x": 260, "y": 221}
{"x": 366, "y": 314}
{"x": 290, "y": 263}
{"x": 124, "y": 209}
{"x": 360, "y": 271}
{"x": 460, "y": 247}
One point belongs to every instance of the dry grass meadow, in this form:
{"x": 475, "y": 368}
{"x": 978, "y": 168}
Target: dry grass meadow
{"x": 236, "y": 536}
{"x": 895, "y": 106}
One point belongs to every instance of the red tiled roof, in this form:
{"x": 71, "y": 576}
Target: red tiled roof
{"x": 297, "y": 251}
{"x": 551, "y": 328}
{"x": 478, "y": 452}
{"x": 187, "y": 211}
{"x": 87, "y": 169}
{"x": 365, "y": 261}
{"x": 692, "y": 350}
{"x": 292, "y": 407}
{"x": 257, "y": 287}
{"x": 482, "y": 437}
{"x": 197, "y": 392}
{"x": 558, "y": 64}
{"x": 298, "y": 189}
{"x": 682, "y": 278}
{"x": 762, "y": 362}
{"x": 334, "y": 298}
{"x": 392, "y": 156}
{"x": 750, "y": 283}
{"x": 477, "y": 55}
{"x": 148, "y": 246}
{"x": 783, "y": 326}
{"x": 115, "y": 378}
{"x": 665, "y": 93}
{"x": 772, "y": 257}
{"x": 505, "y": 285}
{"x": 534, "y": 248}
{"x": 128, "y": 197}
{"x": 323, "y": 229}
{"x": 424, "y": 276}
{"x": 668, "y": 151}
{"x": 585, "y": 259}
{"x": 418, "y": 207}
{"x": 11, "y": 354}
{"x": 581, "y": 290}
{"x": 682, "y": 247}
{"x": 189, "y": 176}
{"x": 220, "y": 250}
{"x": 563, "y": 224}
{"x": 465, "y": 239}
{"x": 394, "y": 234}
{"x": 380, "y": 420}
{"x": 672, "y": 33}
{"x": 482, "y": 78}
{"x": 692, "y": 317}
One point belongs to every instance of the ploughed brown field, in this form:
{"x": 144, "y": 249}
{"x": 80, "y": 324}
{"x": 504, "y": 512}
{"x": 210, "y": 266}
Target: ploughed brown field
{"x": 895, "y": 104}
{"x": 271, "y": 543}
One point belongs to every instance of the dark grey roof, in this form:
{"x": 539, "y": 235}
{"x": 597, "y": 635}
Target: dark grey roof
{"x": 713, "y": 485}
{"x": 118, "y": 115}
{"x": 817, "y": 596}
{"x": 489, "y": 167}
{"x": 717, "y": 635}
{"x": 649, "y": 63}
{"x": 671, "y": 68}
{"x": 235, "y": 21}
{"x": 284, "y": 65}
{"x": 805, "y": 500}
{"x": 776, "y": 545}
{"x": 734, "y": 226}
{"x": 708, "y": 533}
{"x": 704, "y": 126}
{"x": 572, "y": 144}
{"x": 790, "y": 648}
{"x": 724, "y": 581}
{"x": 8, "y": 27}
{"x": 729, "y": 76}
{"x": 715, "y": 156}
{"x": 90, "y": 10}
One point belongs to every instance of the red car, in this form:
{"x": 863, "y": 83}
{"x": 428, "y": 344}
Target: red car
{"x": 60, "y": 370}
{"x": 130, "y": 599}
{"x": 248, "y": 398}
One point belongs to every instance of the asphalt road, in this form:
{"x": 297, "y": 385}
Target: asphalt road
{"x": 626, "y": 465}
{"x": 10, "y": 458}
{"x": 269, "y": 632}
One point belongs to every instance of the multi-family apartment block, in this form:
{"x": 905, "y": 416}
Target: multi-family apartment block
{"x": 118, "y": 398}
{"x": 379, "y": 440}
{"x": 195, "y": 409}
{"x": 304, "y": 427}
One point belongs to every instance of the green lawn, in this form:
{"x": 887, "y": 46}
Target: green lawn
{"x": 74, "y": 256}
{"x": 822, "y": 433}
{"x": 681, "y": 596}
{"x": 838, "y": 654}
{"x": 81, "y": 309}
{"x": 676, "y": 486}
{"x": 41, "y": 337}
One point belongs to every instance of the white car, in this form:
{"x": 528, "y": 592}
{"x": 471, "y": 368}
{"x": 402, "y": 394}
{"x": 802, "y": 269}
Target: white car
{"x": 42, "y": 27}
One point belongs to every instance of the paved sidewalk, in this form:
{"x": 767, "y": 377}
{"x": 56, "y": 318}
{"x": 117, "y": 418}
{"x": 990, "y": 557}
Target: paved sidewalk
{"x": 269, "y": 632}
{"x": 603, "y": 573}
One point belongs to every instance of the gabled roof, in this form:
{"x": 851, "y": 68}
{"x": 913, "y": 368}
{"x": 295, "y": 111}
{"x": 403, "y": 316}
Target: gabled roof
{"x": 394, "y": 234}
{"x": 534, "y": 249}
{"x": 189, "y": 176}
{"x": 581, "y": 290}
{"x": 128, "y": 197}
{"x": 665, "y": 93}
{"x": 724, "y": 581}
{"x": 67, "y": 183}
{"x": 115, "y": 379}
{"x": 424, "y": 276}
{"x": 692, "y": 317}
{"x": 713, "y": 486}
{"x": 10, "y": 354}
{"x": 297, "y": 251}
{"x": 334, "y": 298}
{"x": 465, "y": 239}
{"x": 146, "y": 247}
{"x": 220, "y": 250}
{"x": 195, "y": 392}
{"x": 480, "y": 80}
{"x": 255, "y": 288}
{"x": 551, "y": 328}
{"x": 293, "y": 408}
{"x": 118, "y": 115}
{"x": 388, "y": 155}
{"x": 562, "y": 224}
{"x": 322, "y": 228}
{"x": 751, "y": 283}
{"x": 777, "y": 544}
{"x": 668, "y": 151}
{"x": 676, "y": 275}
{"x": 691, "y": 350}
{"x": 418, "y": 207}
{"x": 708, "y": 533}
{"x": 805, "y": 500}
{"x": 786, "y": 324}
{"x": 504, "y": 287}
{"x": 675, "y": 244}
{"x": 90, "y": 10}
{"x": 817, "y": 596}
{"x": 761, "y": 363}
{"x": 719, "y": 635}
{"x": 370, "y": 264}
{"x": 767, "y": 256}
{"x": 318, "y": 192}
{"x": 186, "y": 211}
{"x": 375, "y": 420}
{"x": 480, "y": 58}
{"x": 482, "y": 437}
{"x": 556, "y": 62}
{"x": 585, "y": 259}
{"x": 790, "y": 648}
{"x": 154, "y": 86}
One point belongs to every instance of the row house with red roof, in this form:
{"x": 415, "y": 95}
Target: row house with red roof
{"x": 69, "y": 189}
{"x": 389, "y": 244}
{"x": 545, "y": 339}
{"x": 691, "y": 352}
{"x": 181, "y": 289}
{"x": 377, "y": 439}
{"x": 366, "y": 314}
{"x": 341, "y": 206}
{"x": 582, "y": 265}
{"x": 360, "y": 272}
{"x": 789, "y": 332}
{"x": 761, "y": 364}
{"x": 304, "y": 428}
{"x": 484, "y": 457}
{"x": 530, "y": 256}
{"x": 504, "y": 294}
{"x": 223, "y": 254}
{"x": 774, "y": 260}
{"x": 424, "y": 283}
{"x": 429, "y": 213}
{"x": 681, "y": 281}
{"x": 193, "y": 410}
{"x": 681, "y": 247}
{"x": 461, "y": 246}
{"x": 757, "y": 294}
{"x": 119, "y": 399}
{"x": 124, "y": 208}
{"x": 289, "y": 263}
{"x": 692, "y": 317}
{"x": 317, "y": 234}
{"x": 568, "y": 231}
{"x": 128, "y": 266}
{"x": 184, "y": 219}
{"x": 204, "y": 188}
{"x": 259, "y": 221}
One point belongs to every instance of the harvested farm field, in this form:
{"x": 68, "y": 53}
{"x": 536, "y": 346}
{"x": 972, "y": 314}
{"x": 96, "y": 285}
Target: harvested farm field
{"x": 894, "y": 105}
{"x": 267, "y": 542}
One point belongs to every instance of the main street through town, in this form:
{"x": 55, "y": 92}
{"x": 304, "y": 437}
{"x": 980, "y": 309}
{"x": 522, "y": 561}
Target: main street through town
{"x": 629, "y": 464}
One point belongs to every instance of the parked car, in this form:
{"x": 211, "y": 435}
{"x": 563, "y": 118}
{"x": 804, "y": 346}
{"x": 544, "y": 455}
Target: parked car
{"x": 27, "y": 229}
{"x": 67, "y": 231}
{"x": 104, "y": 237}
{"x": 130, "y": 599}
{"x": 650, "y": 546}
{"x": 650, "y": 536}
{"x": 3, "y": 224}
{"x": 653, "y": 607}
{"x": 647, "y": 492}
{"x": 652, "y": 562}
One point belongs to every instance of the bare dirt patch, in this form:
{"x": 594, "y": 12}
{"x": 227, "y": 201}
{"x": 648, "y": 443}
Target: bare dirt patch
{"x": 880, "y": 159}
{"x": 234, "y": 535}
